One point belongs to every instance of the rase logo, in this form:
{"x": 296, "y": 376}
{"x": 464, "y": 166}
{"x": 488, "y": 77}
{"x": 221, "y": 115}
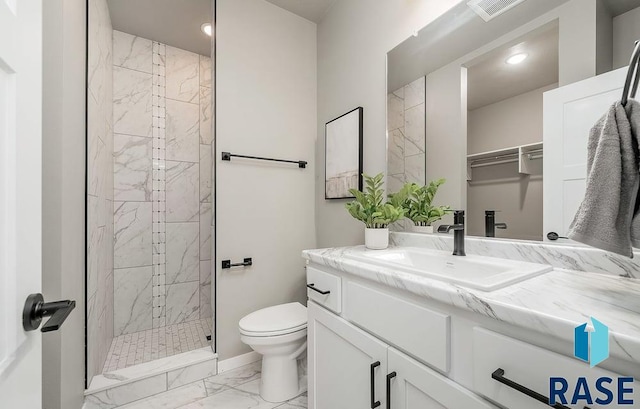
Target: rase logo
{"x": 591, "y": 346}
{"x": 598, "y": 339}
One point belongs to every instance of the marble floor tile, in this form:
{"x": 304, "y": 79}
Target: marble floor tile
{"x": 236, "y": 389}
{"x": 233, "y": 399}
{"x": 232, "y": 379}
{"x": 172, "y": 399}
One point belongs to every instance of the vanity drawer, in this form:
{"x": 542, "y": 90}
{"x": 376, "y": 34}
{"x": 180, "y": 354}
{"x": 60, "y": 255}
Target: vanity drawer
{"x": 325, "y": 289}
{"x": 532, "y": 367}
{"x": 416, "y": 330}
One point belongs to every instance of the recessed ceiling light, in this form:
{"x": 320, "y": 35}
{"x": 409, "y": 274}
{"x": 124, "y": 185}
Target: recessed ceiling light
{"x": 206, "y": 28}
{"x": 517, "y": 58}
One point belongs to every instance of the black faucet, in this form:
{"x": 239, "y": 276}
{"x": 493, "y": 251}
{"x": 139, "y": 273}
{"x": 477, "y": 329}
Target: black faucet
{"x": 458, "y": 232}
{"x": 490, "y": 224}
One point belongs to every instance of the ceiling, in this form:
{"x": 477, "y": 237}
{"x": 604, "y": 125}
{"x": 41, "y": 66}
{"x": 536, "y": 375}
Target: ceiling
{"x": 173, "y": 22}
{"x": 490, "y": 79}
{"x": 313, "y": 10}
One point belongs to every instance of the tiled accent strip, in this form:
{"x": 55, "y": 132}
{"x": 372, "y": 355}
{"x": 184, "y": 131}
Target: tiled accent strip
{"x": 159, "y": 182}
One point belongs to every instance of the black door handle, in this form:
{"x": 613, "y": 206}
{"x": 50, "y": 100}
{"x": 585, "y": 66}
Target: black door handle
{"x": 498, "y": 375}
{"x": 312, "y": 286}
{"x": 35, "y": 309}
{"x": 389, "y": 378}
{"x": 374, "y": 402}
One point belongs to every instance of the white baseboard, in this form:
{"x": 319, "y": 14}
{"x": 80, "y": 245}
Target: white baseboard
{"x": 238, "y": 361}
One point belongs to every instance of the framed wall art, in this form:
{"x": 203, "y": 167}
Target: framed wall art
{"x": 343, "y": 155}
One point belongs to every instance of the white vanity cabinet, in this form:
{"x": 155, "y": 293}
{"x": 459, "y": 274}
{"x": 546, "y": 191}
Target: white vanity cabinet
{"x": 343, "y": 362}
{"x": 348, "y": 368}
{"x": 370, "y": 346}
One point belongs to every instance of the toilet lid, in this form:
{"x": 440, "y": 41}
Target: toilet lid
{"x": 276, "y": 319}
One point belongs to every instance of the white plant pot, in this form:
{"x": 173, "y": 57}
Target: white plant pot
{"x": 422, "y": 229}
{"x": 376, "y": 239}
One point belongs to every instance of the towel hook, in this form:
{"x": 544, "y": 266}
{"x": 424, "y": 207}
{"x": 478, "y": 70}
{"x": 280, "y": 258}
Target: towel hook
{"x": 633, "y": 73}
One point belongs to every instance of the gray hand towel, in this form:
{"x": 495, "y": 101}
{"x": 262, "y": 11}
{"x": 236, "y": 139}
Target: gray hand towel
{"x": 604, "y": 219}
{"x": 633, "y": 114}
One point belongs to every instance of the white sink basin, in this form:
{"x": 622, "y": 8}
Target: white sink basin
{"x": 479, "y": 272}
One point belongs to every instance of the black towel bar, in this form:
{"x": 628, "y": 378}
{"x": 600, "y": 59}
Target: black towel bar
{"x": 228, "y": 155}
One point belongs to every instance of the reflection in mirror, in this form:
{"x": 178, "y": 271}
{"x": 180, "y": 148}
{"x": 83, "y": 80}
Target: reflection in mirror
{"x": 470, "y": 99}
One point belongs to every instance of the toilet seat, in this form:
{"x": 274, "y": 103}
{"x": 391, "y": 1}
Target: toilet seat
{"x": 275, "y": 321}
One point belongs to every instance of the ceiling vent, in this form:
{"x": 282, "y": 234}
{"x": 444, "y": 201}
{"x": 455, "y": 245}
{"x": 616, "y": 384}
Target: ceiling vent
{"x": 490, "y": 9}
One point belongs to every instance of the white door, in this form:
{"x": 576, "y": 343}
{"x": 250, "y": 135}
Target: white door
{"x": 569, "y": 114}
{"x": 343, "y": 360}
{"x": 412, "y": 385}
{"x": 20, "y": 198}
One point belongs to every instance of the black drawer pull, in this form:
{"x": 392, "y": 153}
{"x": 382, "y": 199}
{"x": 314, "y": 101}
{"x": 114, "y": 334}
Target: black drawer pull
{"x": 312, "y": 286}
{"x": 389, "y": 378}
{"x": 498, "y": 375}
{"x": 374, "y": 402}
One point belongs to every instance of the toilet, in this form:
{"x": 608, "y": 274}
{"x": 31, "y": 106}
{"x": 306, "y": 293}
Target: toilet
{"x": 279, "y": 334}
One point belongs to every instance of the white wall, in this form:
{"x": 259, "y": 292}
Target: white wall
{"x": 265, "y": 106}
{"x": 511, "y": 122}
{"x": 626, "y": 30}
{"x": 353, "y": 41}
{"x": 63, "y": 196}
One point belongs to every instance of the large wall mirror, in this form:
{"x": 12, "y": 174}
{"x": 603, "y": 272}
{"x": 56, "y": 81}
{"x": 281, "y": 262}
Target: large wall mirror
{"x": 499, "y": 103}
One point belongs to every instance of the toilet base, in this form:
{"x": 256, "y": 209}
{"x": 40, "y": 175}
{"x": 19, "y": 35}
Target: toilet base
{"x": 279, "y": 381}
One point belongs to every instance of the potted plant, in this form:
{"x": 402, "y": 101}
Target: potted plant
{"x": 368, "y": 207}
{"x": 417, "y": 202}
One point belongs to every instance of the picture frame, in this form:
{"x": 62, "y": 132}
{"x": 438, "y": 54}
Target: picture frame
{"x": 343, "y": 155}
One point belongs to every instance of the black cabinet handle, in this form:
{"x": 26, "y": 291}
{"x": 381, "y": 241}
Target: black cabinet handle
{"x": 498, "y": 375}
{"x": 246, "y": 263}
{"x": 374, "y": 402}
{"x": 389, "y": 378}
{"x": 312, "y": 286}
{"x": 35, "y": 309}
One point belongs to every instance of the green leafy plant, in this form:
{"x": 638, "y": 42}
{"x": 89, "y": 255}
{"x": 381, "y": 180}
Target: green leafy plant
{"x": 368, "y": 207}
{"x": 417, "y": 202}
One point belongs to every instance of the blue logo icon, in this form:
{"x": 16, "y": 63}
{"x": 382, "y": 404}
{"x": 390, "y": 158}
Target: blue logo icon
{"x": 596, "y": 342}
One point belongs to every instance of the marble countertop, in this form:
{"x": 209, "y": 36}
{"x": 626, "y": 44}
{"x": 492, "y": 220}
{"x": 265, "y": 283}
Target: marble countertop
{"x": 553, "y": 303}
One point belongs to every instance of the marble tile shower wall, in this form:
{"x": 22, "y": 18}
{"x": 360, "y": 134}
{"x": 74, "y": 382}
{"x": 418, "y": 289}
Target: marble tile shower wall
{"x": 406, "y": 133}
{"x": 162, "y": 184}
{"x": 99, "y": 187}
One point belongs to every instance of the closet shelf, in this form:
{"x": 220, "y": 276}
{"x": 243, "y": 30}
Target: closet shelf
{"x": 523, "y": 154}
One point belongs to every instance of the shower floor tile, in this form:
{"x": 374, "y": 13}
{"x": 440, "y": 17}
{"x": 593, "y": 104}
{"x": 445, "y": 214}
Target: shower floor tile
{"x": 144, "y": 346}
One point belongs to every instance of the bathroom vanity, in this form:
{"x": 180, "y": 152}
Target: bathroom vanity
{"x": 386, "y": 331}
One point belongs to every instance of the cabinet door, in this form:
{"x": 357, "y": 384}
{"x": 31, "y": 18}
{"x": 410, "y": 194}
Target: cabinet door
{"x": 343, "y": 361}
{"x": 414, "y": 386}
